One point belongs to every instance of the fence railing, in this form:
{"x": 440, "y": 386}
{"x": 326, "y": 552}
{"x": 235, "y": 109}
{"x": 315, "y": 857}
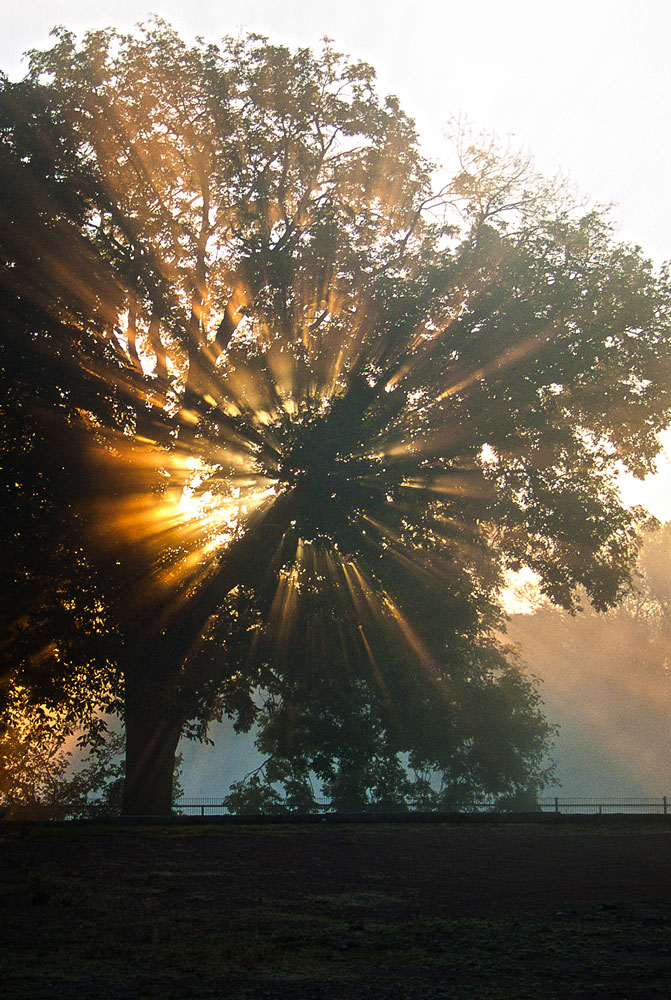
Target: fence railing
{"x": 660, "y": 805}
{"x": 612, "y": 805}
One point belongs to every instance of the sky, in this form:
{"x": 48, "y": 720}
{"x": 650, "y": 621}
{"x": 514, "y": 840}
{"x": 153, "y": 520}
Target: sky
{"x": 584, "y": 87}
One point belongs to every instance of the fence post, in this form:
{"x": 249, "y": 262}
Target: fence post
{"x": 202, "y": 810}
{"x": 666, "y": 805}
{"x": 556, "y": 804}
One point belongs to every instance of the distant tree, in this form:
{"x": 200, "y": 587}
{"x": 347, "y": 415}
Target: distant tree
{"x": 259, "y": 351}
{"x": 650, "y": 598}
{"x": 638, "y": 626}
{"x": 608, "y": 674}
{"x": 253, "y": 796}
{"x": 41, "y": 779}
{"x": 38, "y": 781}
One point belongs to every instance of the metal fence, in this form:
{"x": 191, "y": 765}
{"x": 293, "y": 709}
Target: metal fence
{"x": 613, "y": 806}
{"x": 587, "y": 806}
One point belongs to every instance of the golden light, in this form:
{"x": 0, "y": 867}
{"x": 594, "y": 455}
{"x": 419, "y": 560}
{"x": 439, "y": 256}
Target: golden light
{"x": 220, "y": 364}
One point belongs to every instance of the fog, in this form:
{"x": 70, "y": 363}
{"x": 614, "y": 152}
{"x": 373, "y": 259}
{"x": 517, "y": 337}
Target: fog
{"x": 605, "y": 680}
{"x": 611, "y": 697}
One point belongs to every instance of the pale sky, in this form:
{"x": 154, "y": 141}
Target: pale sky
{"x": 584, "y": 86}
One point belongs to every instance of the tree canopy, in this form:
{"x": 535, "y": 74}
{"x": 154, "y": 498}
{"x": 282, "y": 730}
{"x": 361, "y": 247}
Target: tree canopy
{"x": 289, "y": 409}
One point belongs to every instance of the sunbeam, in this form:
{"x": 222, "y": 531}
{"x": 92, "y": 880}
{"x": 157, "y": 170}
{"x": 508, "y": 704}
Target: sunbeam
{"x": 300, "y": 405}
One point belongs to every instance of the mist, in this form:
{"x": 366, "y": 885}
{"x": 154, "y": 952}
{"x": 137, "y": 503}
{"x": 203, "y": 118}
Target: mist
{"x": 607, "y": 684}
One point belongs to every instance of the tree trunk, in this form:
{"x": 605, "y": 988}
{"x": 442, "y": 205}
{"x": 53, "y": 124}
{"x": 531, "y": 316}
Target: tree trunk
{"x": 153, "y": 727}
{"x": 159, "y": 675}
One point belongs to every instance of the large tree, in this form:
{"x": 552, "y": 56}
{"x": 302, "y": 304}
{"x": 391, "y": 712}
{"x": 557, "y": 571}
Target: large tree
{"x": 276, "y": 356}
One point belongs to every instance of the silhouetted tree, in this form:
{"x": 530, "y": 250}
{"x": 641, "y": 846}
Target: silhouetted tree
{"x": 269, "y": 354}
{"x": 348, "y": 710}
{"x": 38, "y": 779}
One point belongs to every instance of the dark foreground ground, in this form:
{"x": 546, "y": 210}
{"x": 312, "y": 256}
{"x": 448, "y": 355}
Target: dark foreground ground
{"x": 498, "y": 911}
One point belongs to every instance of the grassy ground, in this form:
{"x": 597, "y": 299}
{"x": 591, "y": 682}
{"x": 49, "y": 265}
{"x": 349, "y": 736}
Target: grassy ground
{"x": 515, "y": 912}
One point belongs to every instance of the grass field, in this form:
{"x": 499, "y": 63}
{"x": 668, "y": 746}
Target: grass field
{"x": 500, "y": 912}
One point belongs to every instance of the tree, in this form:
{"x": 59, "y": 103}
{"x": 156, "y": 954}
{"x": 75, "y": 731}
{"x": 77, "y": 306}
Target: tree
{"x": 376, "y": 728}
{"x": 38, "y": 781}
{"x": 277, "y": 354}
{"x": 40, "y": 778}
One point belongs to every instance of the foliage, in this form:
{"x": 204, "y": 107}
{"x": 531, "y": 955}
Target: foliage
{"x": 57, "y": 656}
{"x": 37, "y": 780}
{"x": 650, "y": 598}
{"x": 462, "y": 734}
{"x": 41, "y": 779}
{"x": 252, "y": 797}
{"x": 300, "y": 411}
{"x": 640, "y": 625}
